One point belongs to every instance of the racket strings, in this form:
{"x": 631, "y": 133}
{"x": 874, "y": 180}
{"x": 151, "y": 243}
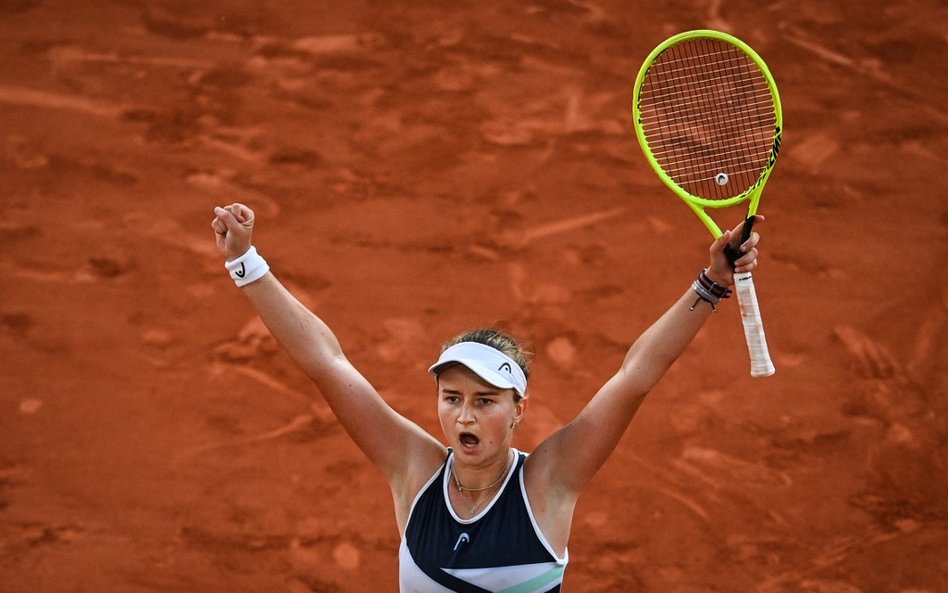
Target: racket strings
{"x": 706, "y": 110}
{"x": 736, "y": 157}
{"x": 760, "y": 101}
{"x": 711, "y": 76}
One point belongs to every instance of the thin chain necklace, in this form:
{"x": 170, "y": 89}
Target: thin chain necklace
{"x": 462, "y": 489}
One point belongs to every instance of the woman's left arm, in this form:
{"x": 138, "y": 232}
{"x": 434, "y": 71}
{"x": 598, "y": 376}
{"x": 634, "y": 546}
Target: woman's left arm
{"x": 569, "y": 458}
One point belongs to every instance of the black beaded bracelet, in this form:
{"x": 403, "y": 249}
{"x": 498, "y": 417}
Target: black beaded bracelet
{"x": 709, "y": 291}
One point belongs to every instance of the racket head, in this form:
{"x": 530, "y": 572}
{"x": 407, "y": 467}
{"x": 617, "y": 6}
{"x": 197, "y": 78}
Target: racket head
{"x": 708, "y": 117}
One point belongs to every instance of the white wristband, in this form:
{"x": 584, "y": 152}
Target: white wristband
{"x": 247, "y": 268}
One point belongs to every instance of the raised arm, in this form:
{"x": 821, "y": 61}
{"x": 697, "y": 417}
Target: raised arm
{"x": 569, "y": 458}
{"x": 400, "y": 448}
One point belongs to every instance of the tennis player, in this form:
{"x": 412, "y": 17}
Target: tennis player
{"x": 475, "y": 514}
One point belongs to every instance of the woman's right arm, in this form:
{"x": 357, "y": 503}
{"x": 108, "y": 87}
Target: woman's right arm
{"x": 399, "y": 447}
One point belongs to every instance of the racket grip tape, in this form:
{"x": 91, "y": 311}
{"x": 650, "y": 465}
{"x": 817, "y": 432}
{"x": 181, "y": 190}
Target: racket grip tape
{"x": 761, "y": 365}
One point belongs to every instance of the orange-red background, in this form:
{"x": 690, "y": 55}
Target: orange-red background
{"x": 419, "y": 168}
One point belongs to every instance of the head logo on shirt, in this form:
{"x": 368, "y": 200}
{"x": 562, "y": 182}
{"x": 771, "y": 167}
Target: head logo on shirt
{"x": 462, "y": 539}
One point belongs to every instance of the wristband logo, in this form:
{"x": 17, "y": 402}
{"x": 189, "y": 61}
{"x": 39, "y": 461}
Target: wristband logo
{"x": 242, "y": 271}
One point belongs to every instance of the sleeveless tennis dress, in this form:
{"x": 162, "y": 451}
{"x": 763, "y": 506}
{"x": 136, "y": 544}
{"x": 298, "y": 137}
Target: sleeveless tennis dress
{"x": 501, "y": 550}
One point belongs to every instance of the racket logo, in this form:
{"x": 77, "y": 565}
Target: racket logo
{"x": 242, "y": 271}
{"x": 462, "y": 539}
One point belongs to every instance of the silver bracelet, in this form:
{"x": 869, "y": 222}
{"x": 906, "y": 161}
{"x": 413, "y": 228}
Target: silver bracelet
{"x": 704, "y": 295}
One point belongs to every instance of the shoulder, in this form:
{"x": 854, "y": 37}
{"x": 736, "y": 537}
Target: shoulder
{"x": 420, "y": 472}
{"x": 421, "y": 468}
{"x": 552, "y": 506}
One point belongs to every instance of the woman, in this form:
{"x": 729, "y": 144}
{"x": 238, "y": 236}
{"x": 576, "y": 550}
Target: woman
{"x": 477, "y": 515}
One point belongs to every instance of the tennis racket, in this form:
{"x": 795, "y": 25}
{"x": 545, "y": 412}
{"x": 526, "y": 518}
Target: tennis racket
{"x": 707, "y": 114}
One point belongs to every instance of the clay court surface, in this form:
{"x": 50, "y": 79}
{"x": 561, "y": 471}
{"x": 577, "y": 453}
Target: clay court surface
{"x": 418, "y": 169}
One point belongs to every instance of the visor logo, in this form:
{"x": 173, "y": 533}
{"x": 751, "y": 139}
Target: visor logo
{"x": 505, "y": 367}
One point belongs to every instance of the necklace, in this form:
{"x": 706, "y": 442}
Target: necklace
{"x": 462, "y": 489}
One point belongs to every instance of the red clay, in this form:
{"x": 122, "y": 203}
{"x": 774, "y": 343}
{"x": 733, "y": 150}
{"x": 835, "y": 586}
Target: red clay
{"x": 419, "y": 169}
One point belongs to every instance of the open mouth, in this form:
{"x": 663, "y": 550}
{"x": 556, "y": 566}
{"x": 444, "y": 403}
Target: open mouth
{"x": 468, "y": 440}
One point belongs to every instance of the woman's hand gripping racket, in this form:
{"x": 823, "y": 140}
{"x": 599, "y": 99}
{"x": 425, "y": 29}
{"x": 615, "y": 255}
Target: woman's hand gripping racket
{"x": 708, "y": 117}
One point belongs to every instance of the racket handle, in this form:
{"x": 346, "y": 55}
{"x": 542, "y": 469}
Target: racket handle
{"x": 761, "y": 365}
{"x": 733, "y": 253}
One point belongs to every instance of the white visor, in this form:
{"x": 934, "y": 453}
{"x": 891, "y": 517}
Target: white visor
{"x": 490, "y": 364}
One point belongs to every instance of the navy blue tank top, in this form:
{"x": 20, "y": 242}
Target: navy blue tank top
{"x": 500, "y": 550}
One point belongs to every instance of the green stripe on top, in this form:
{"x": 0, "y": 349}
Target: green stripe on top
{"x": 548, "y": 578}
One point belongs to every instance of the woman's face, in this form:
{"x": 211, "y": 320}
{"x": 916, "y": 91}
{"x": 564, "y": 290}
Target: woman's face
{"x": 476, "y": 417}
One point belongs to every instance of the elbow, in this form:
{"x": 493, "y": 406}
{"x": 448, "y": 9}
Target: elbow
{"x": 639, "y": 379}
